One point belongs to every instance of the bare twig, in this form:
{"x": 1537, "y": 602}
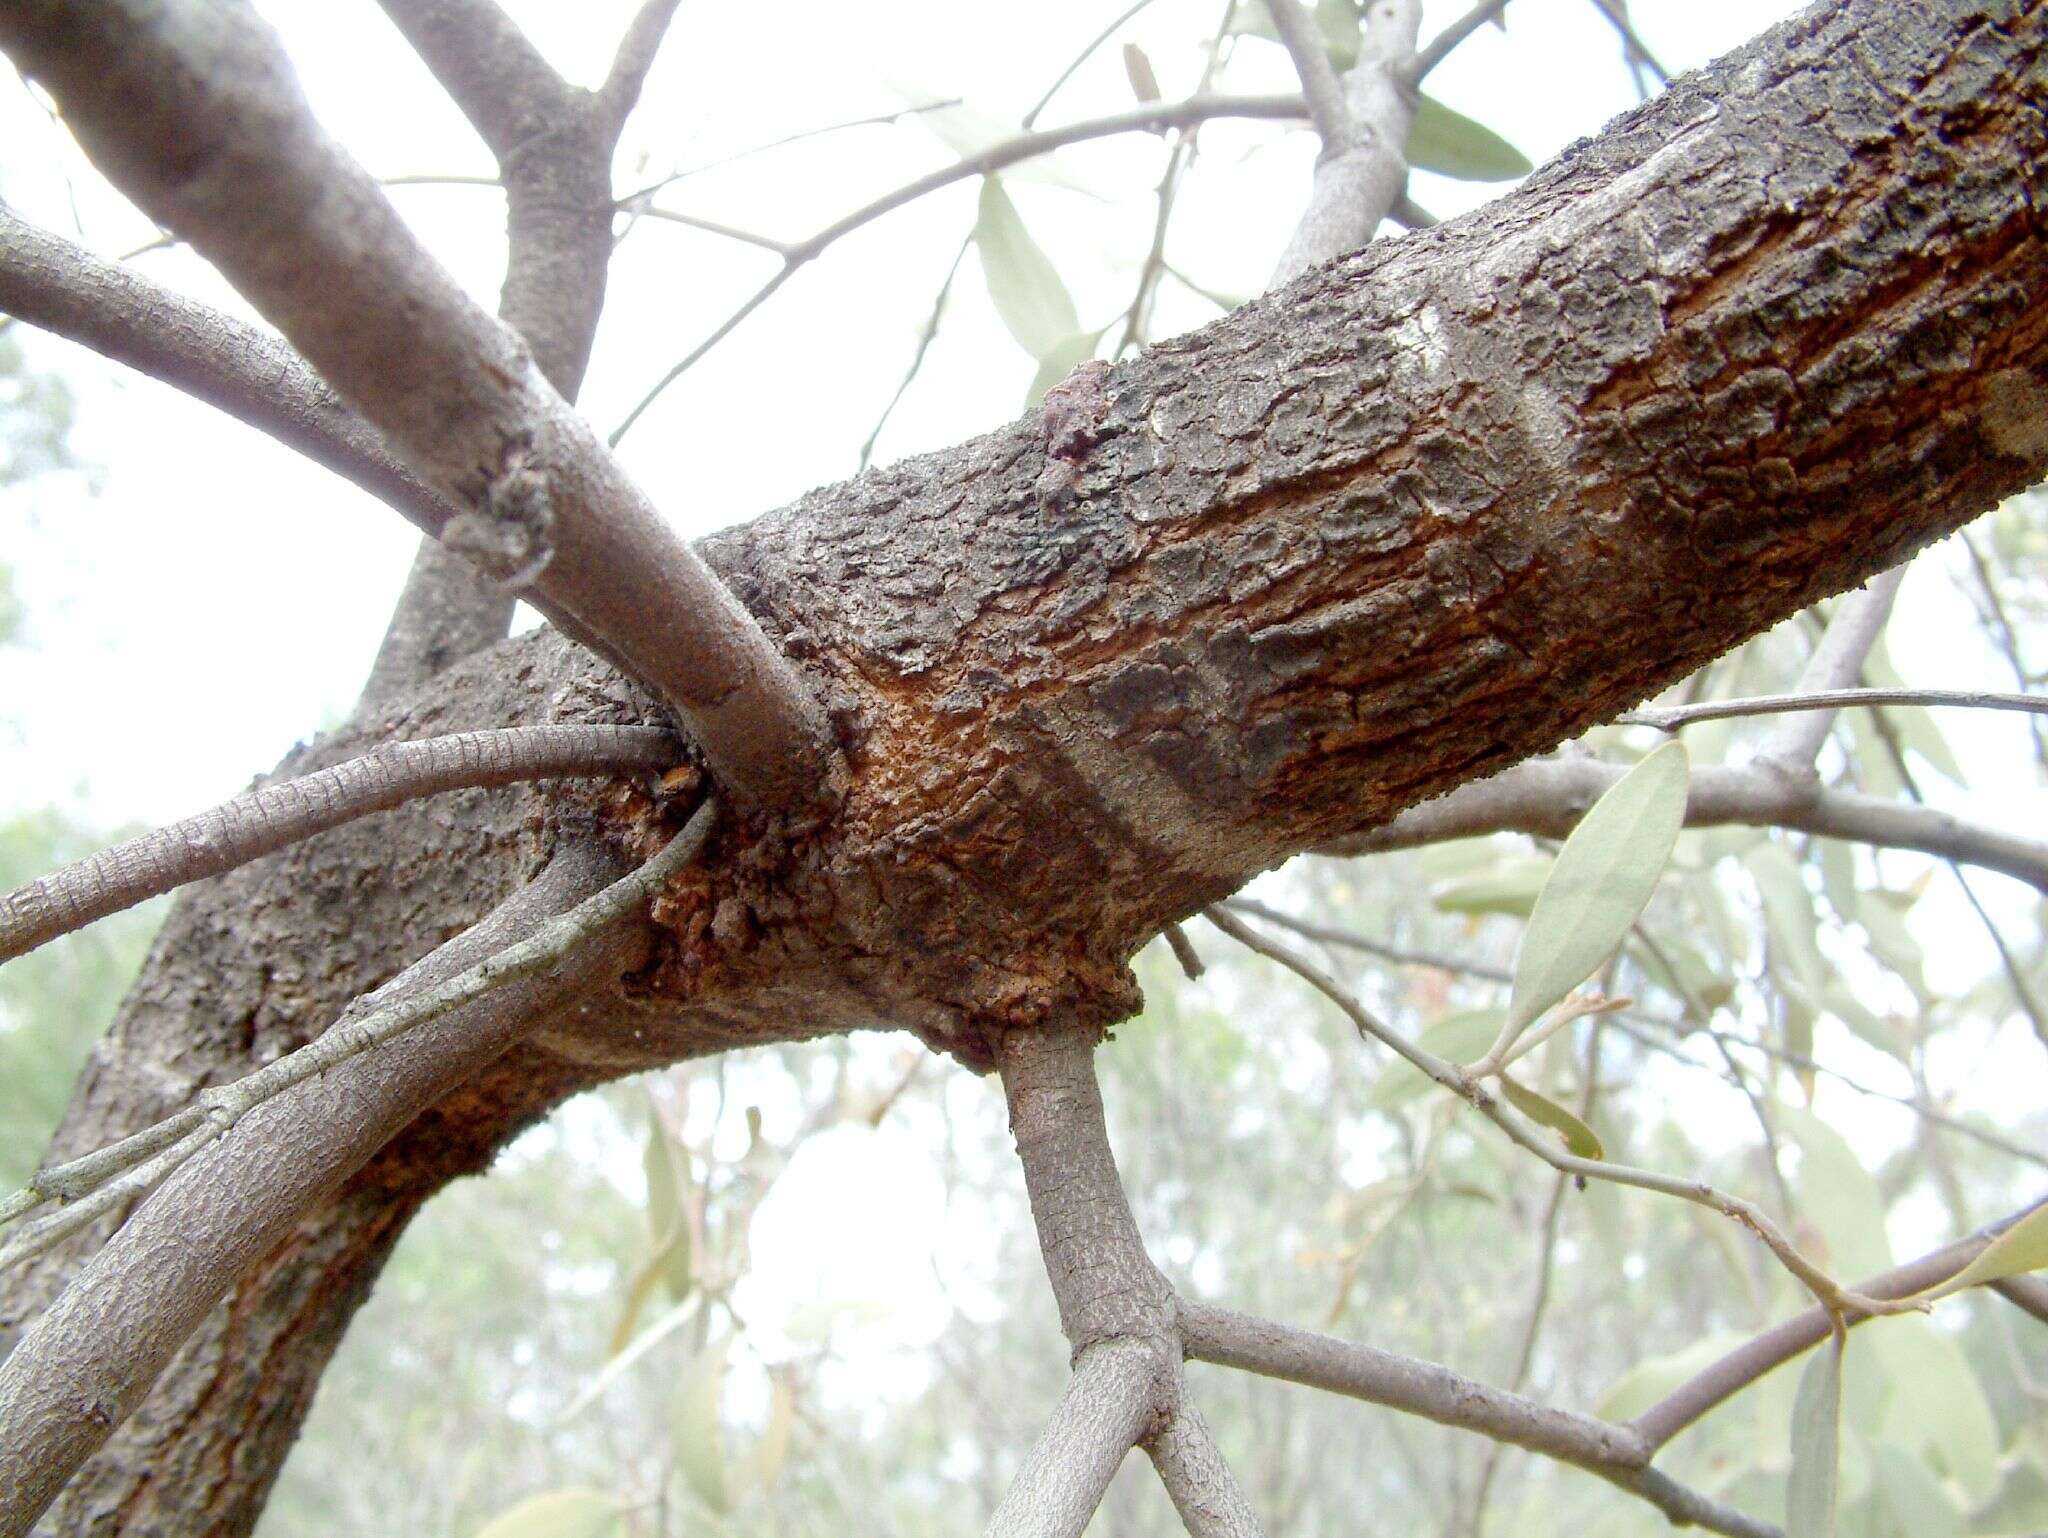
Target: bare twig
{"x": 1319, "y": 84}
{"x": 631, "y": 201}
{"x": 220, "y": 1108}
{"x": 454, "y": 391}
{"x": 1547, "y": 796}
{"x": 1544, "y": 1145}
{"x": 1183, "y": 950}
{"x": 1831, "y": 700}
{"x": 1115, "y": 26}
{"x": 1439, "y": 47}
{"x": 1632, "y": 45}
{"x": 260, "y": 821}
{"x": 925, "y": 337}
{"x": 1751, "y": 1360}
{"x": 103, "y": 1342}
{"x": 1151, "y": 117}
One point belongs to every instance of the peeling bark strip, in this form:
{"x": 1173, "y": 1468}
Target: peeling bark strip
{"x": 1425, "y": 512}
{"x": 193, "y": 110}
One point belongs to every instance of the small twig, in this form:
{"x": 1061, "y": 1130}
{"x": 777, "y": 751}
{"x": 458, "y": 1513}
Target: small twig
{"x": 1151, "y": 117}
{"x": 712, "y": 227}
{"x": 232, "y": 834}
{"x": 1633, "y": 48}
{"x": 1439, "y": 47}
{"x": 640, "y": 195}
{"x": 1081, "y": 58}
{"x": 925, "y": 337}
{"x": 1184, "y": 951}
{"x": 219, "y": 1108}
{"x": 1832, "y": 699}
{"x": 1544, "y": 1144}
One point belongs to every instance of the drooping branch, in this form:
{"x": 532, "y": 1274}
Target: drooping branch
{"x": 1547, "y": 796}
{"x": 105, "y": 1339}
{"x": 214, "y": 138}
{"x": 254, "y": 824}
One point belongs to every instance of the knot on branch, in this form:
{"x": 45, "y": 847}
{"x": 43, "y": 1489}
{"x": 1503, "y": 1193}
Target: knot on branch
{"x": 509, "y": 535}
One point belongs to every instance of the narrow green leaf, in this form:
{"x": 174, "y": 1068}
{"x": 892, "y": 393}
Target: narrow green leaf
{"x": 670, "y": 1188}
{"x": 763, "y": 1463}
{"x": 1811, "y": 1489}
{"x": 2020, "y": 1249}
{"x": 1451, "y": 144}
{"x": 967, "y": 131}
{"x": 1838, "y": 1196}
{"x": 1578, "y": 1137}
{"x": 1599, "y": 885}
{"x": 1511, "y": 886}
{"x": 1882, "y": 914}
{"x": 1788, "y": 916}
{"x": 1029, "y": 296}
{"x": 699, "y": 1443}
{"x": 556, "y": 1514}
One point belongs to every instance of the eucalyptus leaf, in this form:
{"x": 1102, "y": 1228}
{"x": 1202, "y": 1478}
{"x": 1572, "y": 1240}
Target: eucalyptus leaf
{"x": 2020, "y": 1249}
{"x": 1460, "y": 1038}
{"x": 1138, "y": 68}
{"x": 1578, "y": 1137}
{"x": 1034, "y": 304}
{"x": 1511, "y": 886}
{"x": 1451, "y": 144}
{"x": 556, "y": 1514}
{"x": 1599, "y": 885}
{"x": 1811, "y": 1488}
{"x": 1059, "y": 361}
{"x": 699, "y": 1443}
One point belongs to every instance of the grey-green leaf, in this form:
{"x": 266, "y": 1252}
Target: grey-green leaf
{"x": 1451, "y": 144}
{"x": 1603, "y": 877}
{"x": 556, "y": 1514}
{"x": 1810, "y": 1491}
{"x": 1029, "y": 296}
{"x": 2020, "y": 1249}
{"x": 699, "y": 1443}
{"x": 1578, "y": 1137}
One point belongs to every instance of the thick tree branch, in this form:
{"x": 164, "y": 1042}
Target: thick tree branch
{"x": 84, "y": 1365}
{"x": 1110, "y": 1401}
{"x": 267, "y": 819}
{"x": 224, "y": 150}
{"x": 620, "y": 92}
{"x": 1547, "y": 796}
{"x": 1618, "y": 1454}
{"x": 1207, "y": 1495}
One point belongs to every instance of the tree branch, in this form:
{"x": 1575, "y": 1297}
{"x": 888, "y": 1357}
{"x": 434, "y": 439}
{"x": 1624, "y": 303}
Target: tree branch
{"x": 1779, "y": 1344}
{"x": 620, "y": 92}
{"x": 224, "y": 150}
{"x": 254, "y": 824}
{"x": 1547, "y": 796}
{"x": 1319, "y": 84}
{"x": 252, "y": 375}
{"x": 495, "y": 75}
{"x": 1362, "y": 173}
{"x": 1109, "y": 1402}
{"x": 111, "y": 1332}
{"x": 1440, "y": 47}
{"x": 1207, "y": 1495}
{"x": 1836, "y": 664}
{"x": 1617, "y": 1454}
{"x": 1823, "y": 703}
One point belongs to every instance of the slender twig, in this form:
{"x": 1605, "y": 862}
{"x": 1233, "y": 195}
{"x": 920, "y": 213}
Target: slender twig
{"x": 1439, "y": 47}
{"x": 1329, "y": 934}
{"x": 1633, "y": 47}
{"x": 1183, "y": 950}
{"x": 1832, "y": 699}
{"x": 927, "y": 334}
{"x": 631, "y": 200}
{"x": 2008, "y": 639}
{"x": 1543, "y": 1144}
{"x": 219, "y": 1108}
{"x": 1115, "y": 26}
{"x": 1836, "y": 664}
{"x": 254, "y": 824}
{"x": 1152, "y": 117}
{"x": 713, "y": 227}
{"x": 1751, "y": 1360}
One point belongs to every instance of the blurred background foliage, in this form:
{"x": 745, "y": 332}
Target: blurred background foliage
{"x": 796, "y": 1291}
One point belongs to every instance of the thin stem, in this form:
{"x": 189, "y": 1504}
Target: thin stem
{"x": 1544, "y": 1145}
{"x": 1152, "y": 117}
{"x": 1319, "y": 84}
{"x": 1832, "y": 699}
{"x": 224, "y": 1105}
{"x": 628, "y": 201}
{"x": 262, "y": 821}
{"x": 1082, "y": 58}
{"x": 1439, "y": 47}
{"x": 925, "y": 337}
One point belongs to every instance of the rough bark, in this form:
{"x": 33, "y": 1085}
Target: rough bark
{"x": 1429, "y": 510}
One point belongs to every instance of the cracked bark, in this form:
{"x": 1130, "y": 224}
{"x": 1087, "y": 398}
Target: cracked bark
{"x": 1427, "y": 511}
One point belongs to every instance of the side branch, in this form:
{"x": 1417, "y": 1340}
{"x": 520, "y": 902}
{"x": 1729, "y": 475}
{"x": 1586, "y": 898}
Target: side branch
{"x": 252, "y": 825}
{"x": 116, "y": 1326}
{"x": 215, "y": 140}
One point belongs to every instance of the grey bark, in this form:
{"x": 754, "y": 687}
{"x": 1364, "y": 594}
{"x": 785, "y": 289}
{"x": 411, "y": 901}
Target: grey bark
{"x": 1431, "y": 509}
